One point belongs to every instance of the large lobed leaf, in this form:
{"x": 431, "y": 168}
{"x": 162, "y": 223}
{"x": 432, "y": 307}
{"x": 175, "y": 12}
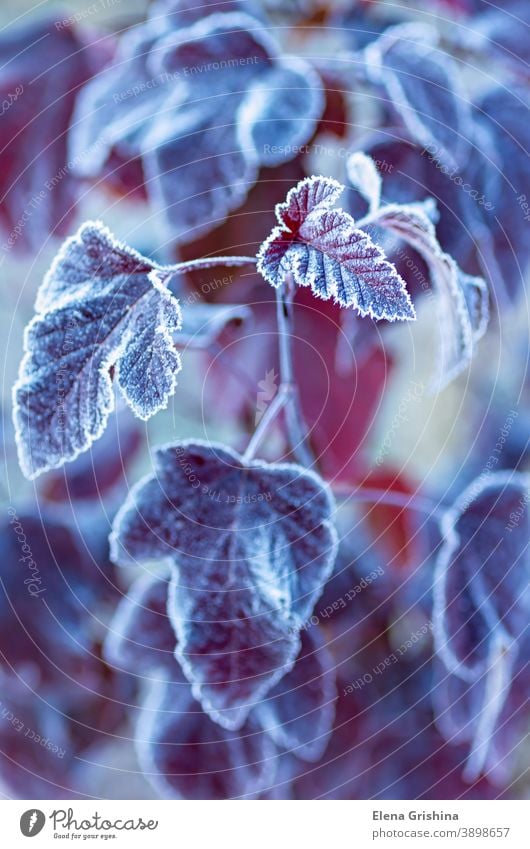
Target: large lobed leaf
{"x": 101, "y": 306}
{"x": 250, "y": 546}
{"x": 322, "y": 248}
{"x": 203, "y": 106}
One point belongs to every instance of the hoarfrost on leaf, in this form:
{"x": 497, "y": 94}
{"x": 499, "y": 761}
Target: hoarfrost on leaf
{"x": 462, "y": 300}
{"x": 481, "y": 613}
{"x": 322, "y": 248}
{"x": 101, "y": 306}
{"x": 217, "y": 101}
{"x": 250, "y": 545}
{"x": 422, "y": 83}
{"x": 364, "y": 176}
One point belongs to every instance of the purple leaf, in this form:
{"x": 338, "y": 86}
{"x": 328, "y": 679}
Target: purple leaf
{"x": 299, "y": 711}
{"x": 503, "y": 114}
{"x": 140, "y": 636}
{"x": 250, "y": 545}
{"x": 462, "y": 300}
{"x": 200, "y": 106}
{"x": 101, "y": 305}
{"x": 321, "y": 248}
{"x": 186, "y": 755}
{"x": 185, "y": 12}
{"x": 42, "y": 68}
{"x": 422, "y": 83}
{"x": 112, "y": 110}
{"x": 49, "y": 586}
{"x": 501, "y": 32}
{"x": 482, "y": 606}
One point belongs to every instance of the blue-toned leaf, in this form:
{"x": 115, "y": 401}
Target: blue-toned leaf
{"x": 501, "y": 32}
{"x": 299, "y": 711}
{"x": 482, "y": 606}
{"x": 199, "y": 105}
{"x": 101, "y": 305}
{"x": 423, "y": 85}
{"x": 364, "y": 176}
{"x": 49, "y": 586}
{"x": 251, "y": 546}
{"x": 42, "y": 68}
{"x": 112, "y": 111}
{"x": 178, "y": 13}
{"x": 462, "y": 300}
{"x": 282, "y": 109}
{"x": 140, "y": 636}
{"x": 322, "y": 248}
{"x": 186, "y": 755}
{"x": 503, "y": 113}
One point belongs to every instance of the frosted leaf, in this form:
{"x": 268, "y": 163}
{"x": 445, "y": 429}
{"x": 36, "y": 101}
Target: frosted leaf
{"x": 364, "y": 176}
{"x": 101, "y": 305}
{"x": 42, "y": 69}
{"x": 462, "y": 301}
{"x": 251, "y": 546}
{"x": 477, "y": 300}
{"x": 281, "y": 110}
{"x": 299, "y": 711}
{"x": 178, "y": 13}
{"x": 112, "y": 111}
{"x": 321, "y": 248}
{"x": 481, "y": 608}
{"x": 185, "y": 755}
{"x": 203, "y": 106}
{"x": 503, "y": 112}
{"x": 423, "y": 84}
{"x": 140, "y": 635}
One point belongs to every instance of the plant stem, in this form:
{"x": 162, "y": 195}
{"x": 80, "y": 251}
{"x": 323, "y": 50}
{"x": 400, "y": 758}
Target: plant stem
{"x": 386, "y": 498}
{"x": 266, "y": 420}
{"x": 296, "y": 426}
{"x": 211, "y": 262}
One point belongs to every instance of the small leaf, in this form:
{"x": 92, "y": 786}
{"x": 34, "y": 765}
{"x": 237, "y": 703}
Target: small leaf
{"x": 462, "y": 300}
{"x": 140, "y": 636}
{"x": 482, "y": 608}
{"x": 322, "y": 248}
{"x": 299, "y": 711}
{"x": 48, "y": 587}
{"x": 187, "y": 756}
{"x": 101, "y": 305}
{"x": 364, "y": 176}
{"x": 42, "y": 68}
{"x": 250, "y": 545}
{"x": 503, "y": 113}
{"x": 423, "y": 85}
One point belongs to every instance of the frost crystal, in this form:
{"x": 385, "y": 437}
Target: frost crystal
{"x": 101, "y": 306}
